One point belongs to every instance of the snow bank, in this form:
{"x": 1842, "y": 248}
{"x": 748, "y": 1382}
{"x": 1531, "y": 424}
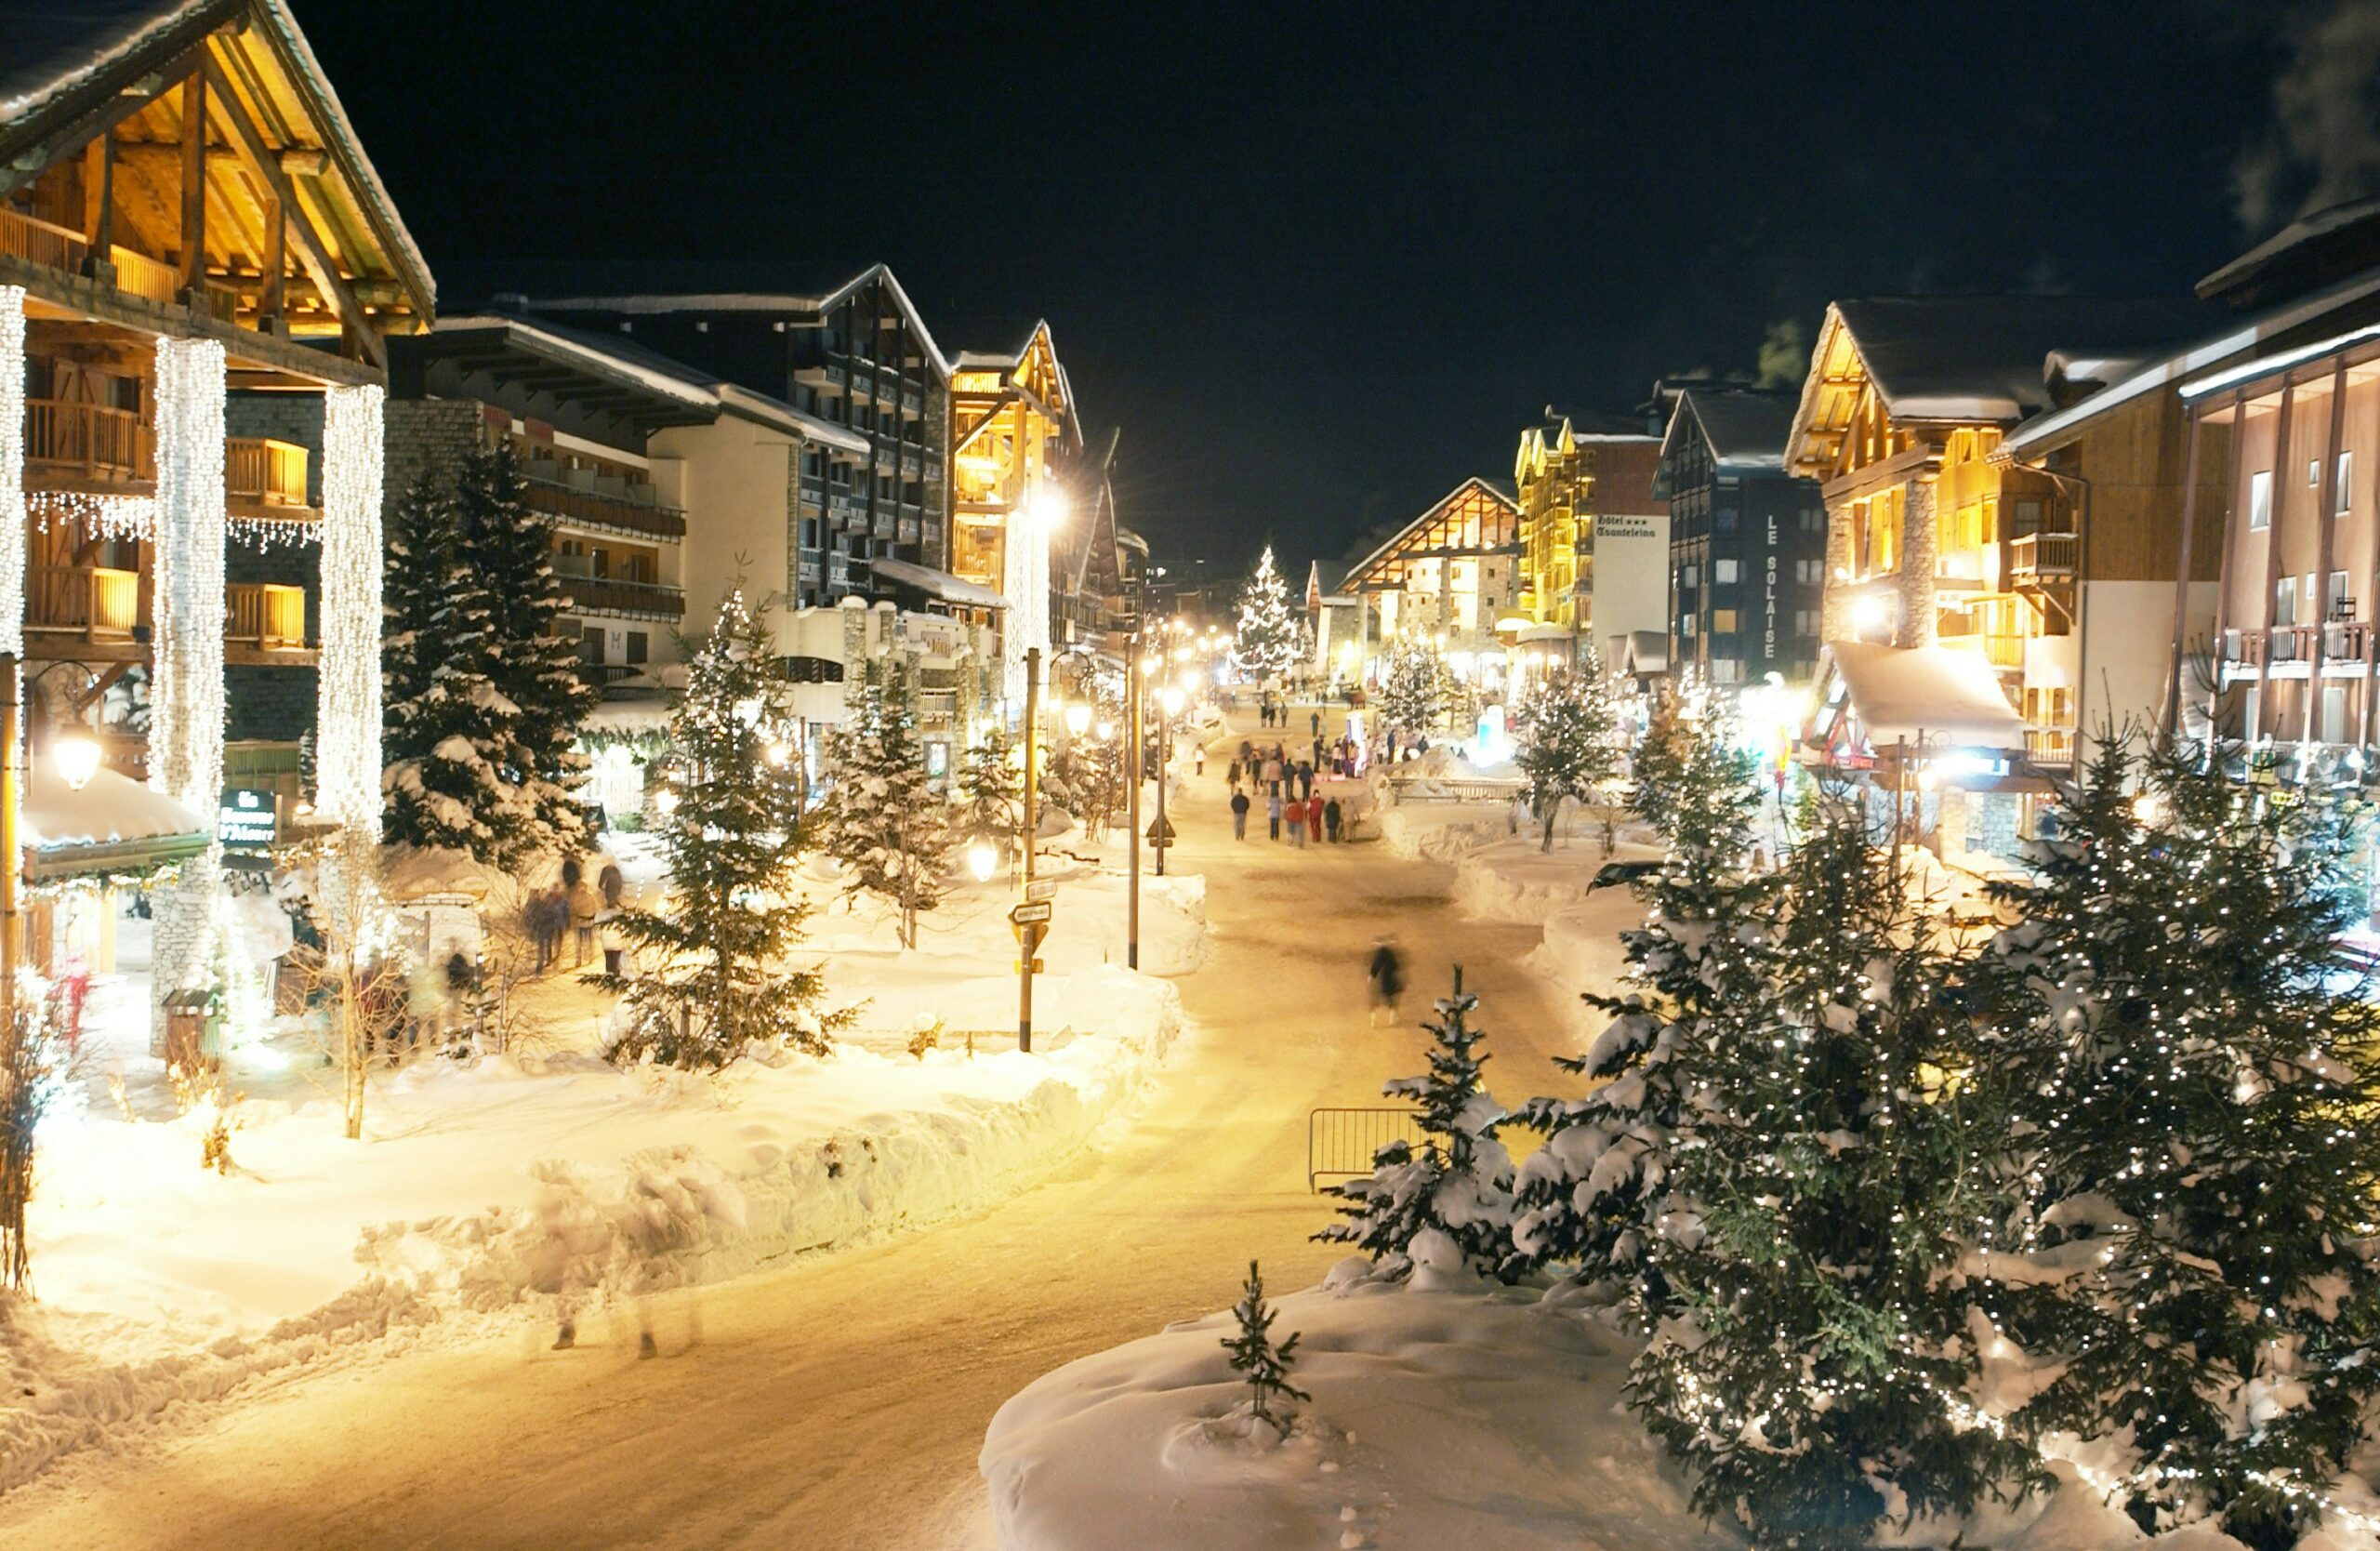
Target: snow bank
{"x": 519, "y": 1180}
{"x": 1437, "y": 1419}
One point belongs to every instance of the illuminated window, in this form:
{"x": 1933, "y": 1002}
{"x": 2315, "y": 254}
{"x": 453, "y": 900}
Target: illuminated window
{"x": 2260, "y": 501}
{"x": 1723, "y": 621}
{"x": 1722, "y": 572}
{"x": 2346, "y": 480}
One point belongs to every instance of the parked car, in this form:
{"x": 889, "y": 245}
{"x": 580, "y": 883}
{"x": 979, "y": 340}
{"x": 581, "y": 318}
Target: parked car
{"x": 1612, "y": 874}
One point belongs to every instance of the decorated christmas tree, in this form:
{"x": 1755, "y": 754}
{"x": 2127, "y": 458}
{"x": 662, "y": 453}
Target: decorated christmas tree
{"x": 1564, "y": 742}
{"x": 1266, "y": 645}
{"x": 1816, "y": 1335}
{"x": 1459, "y": 1185}
{"x": 882, "y": 818}
{"x": 534, "y": 666}
{"x": 1415, "y": 685}
{"x": 1596, "y": 1199}
{"x": 2171, "y": 1090}
{"x": 452, "y": 774}
{"x": 707, "y": 974}
{"x": 1254, "y": 1356}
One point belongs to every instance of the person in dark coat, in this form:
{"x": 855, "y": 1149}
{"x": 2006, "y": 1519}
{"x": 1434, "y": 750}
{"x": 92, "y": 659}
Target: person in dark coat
{"x": 1330, "y": 817}
{"x": 1388, "y": 976}
{"x": 1239, "y": 806}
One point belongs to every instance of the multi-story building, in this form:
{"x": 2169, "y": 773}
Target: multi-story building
{"x": 1453, "y": 575}
{"x": 1747, "y": 539}
{"x": 199, "y": 272}
{"x": 1594, "y": 538}
{"x": 852, "y": 354}
{"x": 1942, "y": 544}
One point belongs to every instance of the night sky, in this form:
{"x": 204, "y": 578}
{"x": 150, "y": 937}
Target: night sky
{"x": 1321, "y": 266}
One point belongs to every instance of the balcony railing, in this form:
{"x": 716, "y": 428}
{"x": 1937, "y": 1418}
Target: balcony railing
{"x": 848, "y": 510}
{"x": 95, "y": 600}
{"x": 39, "y": 242}
{"x": 2345, "y": 639}
{"x": 839, "y": 570}
{"x": 2045, "y": 554}
{"x": 265, "y": 471}
{"x": 266, "y": 615}
{"x": 884, "y": 527}
{"x": 90, "y": 440}
{"x": 605, "y": 508}
{"x": 2052, "y": 747}
{"x": 905, "y": 531}
{"x": 2292, "y": 643}
{"x": 140, "y": 275}
{"x": 610, "y": 595}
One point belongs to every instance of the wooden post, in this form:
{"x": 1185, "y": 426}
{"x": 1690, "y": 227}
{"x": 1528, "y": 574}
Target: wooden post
{"x": 193, "y": 233}
{"x": 2325, "y": 504}
{"x": 2280, "y": 457}
{"x": 2172, "y": 717}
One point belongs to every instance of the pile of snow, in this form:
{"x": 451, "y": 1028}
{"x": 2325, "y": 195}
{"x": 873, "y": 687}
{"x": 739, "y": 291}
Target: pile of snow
{"x": 1455, "y": 1416}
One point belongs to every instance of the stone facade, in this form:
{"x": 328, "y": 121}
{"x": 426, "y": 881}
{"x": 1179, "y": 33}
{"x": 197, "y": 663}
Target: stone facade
{"x": 425, "y": 436}
{"x": 1920, "y": 544}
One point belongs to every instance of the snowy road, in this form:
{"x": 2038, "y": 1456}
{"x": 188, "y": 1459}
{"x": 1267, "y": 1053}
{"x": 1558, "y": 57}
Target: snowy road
{"x": 839, "y": 1401}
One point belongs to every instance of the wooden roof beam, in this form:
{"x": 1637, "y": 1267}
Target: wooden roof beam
{"x": 69, "y": 139}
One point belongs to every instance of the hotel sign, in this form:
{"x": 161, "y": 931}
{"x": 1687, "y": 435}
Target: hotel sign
{"x": 245, "y": 820}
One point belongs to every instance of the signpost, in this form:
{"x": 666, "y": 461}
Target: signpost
{"x": 1030, "y": 920}
{"x": 245, "y": 820}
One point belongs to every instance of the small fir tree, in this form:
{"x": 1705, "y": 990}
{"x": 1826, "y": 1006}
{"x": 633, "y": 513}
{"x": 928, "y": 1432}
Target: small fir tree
{"x": 882, "y": 818}
{"x": 1564, "y": 743}
{"x": 1459, "y": 1184}
{"x": 707, "y": 975}
{"x": 1265, "y": 644}
{"x": 991, "y": 793}
{"x": 534, "y": 666}
{"x": 1415, "y": 685}
{"x": 1804, "y": 1373}
{"x": 2171, "y": 1095}
{"x": 454, "y": 770}
{"x": 1265, "y": 1366}
{"x": 1086, "y": 779}
{"x": 1597, "y": 1197}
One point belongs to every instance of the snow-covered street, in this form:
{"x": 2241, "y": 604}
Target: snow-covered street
{"x": 840, "y": 1400}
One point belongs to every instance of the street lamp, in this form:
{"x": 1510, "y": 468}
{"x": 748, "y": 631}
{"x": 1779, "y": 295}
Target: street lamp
{"x": 77, "y": 757}
{"x": 1078, "y": 718}
{"x": 983, "y": 858}
{"x": 1170, "y": 702}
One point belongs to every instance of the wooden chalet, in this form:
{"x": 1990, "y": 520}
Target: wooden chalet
{"x": 1454, "y": 573}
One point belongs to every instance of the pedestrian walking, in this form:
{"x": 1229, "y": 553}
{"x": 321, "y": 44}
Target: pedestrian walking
{"x": 1296, "y": 816}
{"x": 1273, "y": 809}
{"x": 1387, "y": 977}
{"x": 1200, "y": 759}
{"x": 1233, "y": 775}
{"x": 1316, "y": 720}
{"x": 1330, "y": 817}
{"x": 1305, "y": 780}
{"x": 1238, "y": 813}
{"x": 1248, "y": 754}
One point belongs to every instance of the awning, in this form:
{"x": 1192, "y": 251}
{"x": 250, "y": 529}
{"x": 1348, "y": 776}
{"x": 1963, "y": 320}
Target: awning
{"x": 1530, "y": 634}
{"x": 113, "y": 825}
{"x": 938, "y": 584}
{"x": 1942, "y": 695}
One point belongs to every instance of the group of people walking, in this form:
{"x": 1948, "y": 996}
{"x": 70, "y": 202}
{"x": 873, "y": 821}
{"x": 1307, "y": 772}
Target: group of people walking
{"x": 1285, "y": 787}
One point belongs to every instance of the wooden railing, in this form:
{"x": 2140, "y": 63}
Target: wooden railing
{"x": 2245, "y": 648}
{"x": 2052, "y": 747}
{"x": 605, "y": 509}
{"x": 2293, "y": 643}
{"x": 2004, "y": 651}
{"x": 258, "y": 470}
{"x": 88, "y": 439}
{"x": 39, "y": 242}
{"x": 608, "y": 594}
{"x": 270, "y": 615}
{"x": 2045, "y": 554}
{"x": 144, "y": 277}
{"x": 95, "y": 600}
{"x": 2345, "y": 639}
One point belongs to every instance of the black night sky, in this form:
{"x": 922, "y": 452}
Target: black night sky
{"x": 1320, "y": 266}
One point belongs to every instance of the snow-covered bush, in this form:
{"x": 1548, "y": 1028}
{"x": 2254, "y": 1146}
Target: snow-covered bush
{"x": 1459, "y": 1183}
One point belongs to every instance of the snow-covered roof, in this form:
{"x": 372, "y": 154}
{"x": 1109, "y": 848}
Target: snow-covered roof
{"x": 803, "y": 303}
{"x": 1642, "y": 652}
{"x": 1983, "y": 358}
{"x": 109, "y": 810}
{"x": 738, "y": 400}
{"x": 2300, "y": 245}
{"x": 622, "y": 358}
{"x": 1941, "y": 696}
{"x": 1745, "y": 429}
{"x": 938, "y": 584}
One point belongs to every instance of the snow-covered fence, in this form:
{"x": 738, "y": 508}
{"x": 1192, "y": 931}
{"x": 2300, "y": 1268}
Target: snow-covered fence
{"x": 1340, "y": 1142}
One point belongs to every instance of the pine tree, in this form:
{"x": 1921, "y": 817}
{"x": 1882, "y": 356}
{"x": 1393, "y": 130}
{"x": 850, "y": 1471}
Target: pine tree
{"x": 1266, "y": 1365}
{"x": 1596, "y": 1197}
{"x": 2171, "y": 1098}
{"x": 1806, "y": 1373}
{"x": 1086, "y": 779}
{"x": 1266, "y": 643}
{"x": 1459, "y": 1184}
{"x": 991, "y": 792}
{"x": 1565, "y": 736}
{"x": 452, "y": 779}
{"x": 709, "y": 975}
{"x": 535, "y": 665}
{"x": 882, "y": 818}
{"x": 1414, "y": 686}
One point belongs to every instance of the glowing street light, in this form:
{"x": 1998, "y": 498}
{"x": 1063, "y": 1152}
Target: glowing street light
{"x": 1077, "y": 718}
{"x": 983, "y": 857}
{"x": 77, "y": 758}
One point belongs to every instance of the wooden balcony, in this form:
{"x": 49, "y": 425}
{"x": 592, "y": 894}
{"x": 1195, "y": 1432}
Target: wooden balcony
{"x": 95, "y": 602}
{"x": 87, "y": 445}
{"x": 137, "y": 275}
{"x": 637, "y": 600}
{"x": 267, "y": 615}
{"x": 39, "y": 242}
{"x": 264, "y": 473}
{"x": 2044, "y": 557}
{"x": 2347, "y": 641}
{"x": 623, "y": 510}
{"x": 2050, "y": 747}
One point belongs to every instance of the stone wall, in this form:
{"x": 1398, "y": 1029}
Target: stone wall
{"x": 270, "y": 704}
{"x": 1920, "y": 544}
{"x": 425, "y": 436}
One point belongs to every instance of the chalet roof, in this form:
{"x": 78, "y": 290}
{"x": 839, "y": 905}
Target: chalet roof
{"x": 2310, "y": 251}
{"x": 1497, "y": 491}
{"x": 1983, "y": 358}
{"x": 1941, "y": 696}
{"x": 1744, "y": 428}
{"x": 807, "y": 301}
{"x": 63, "y": 61}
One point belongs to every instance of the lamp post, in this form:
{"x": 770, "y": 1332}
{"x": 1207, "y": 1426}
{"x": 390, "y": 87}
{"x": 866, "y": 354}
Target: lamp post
{"x": 1132, "y": 800}
{"x": 1170, "y": 703}
{"x": 1027, "y": 939}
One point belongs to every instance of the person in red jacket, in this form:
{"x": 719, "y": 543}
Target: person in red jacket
{"x": 1313, "y": 816}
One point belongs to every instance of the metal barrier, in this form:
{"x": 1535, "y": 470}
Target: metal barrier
{"x": 1340, "y": 1142}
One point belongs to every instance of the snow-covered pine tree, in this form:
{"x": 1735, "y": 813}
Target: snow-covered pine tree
{"x": 535, "y": 667}
{"x": 451, "y": 780}
{"x": 708, "y": 972}
{"x": 1253, "y": 1355}
{"x": 1265, "y": 644}
{"x": 1596, "y": 1197}
{"x": 1815, "y": 1339}
{"x": 2173, "y": 1093}
{"x": 1413, "y": 687}
{"x": 1086, "y": 779}
{"x": 1658, "y": 764}
{"x": 1459, "y": 1184}
{"x": 882, "y": 818}
{"x": 1564, "y": 748}
{"x": 990, "y": 797}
